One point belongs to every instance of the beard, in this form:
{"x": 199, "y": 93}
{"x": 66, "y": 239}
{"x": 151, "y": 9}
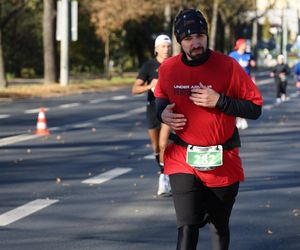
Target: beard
{"x": 196, "y": 53}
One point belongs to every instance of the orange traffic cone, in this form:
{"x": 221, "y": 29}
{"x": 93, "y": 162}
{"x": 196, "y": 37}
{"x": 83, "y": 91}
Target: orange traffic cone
{"x": 41, "y": 126}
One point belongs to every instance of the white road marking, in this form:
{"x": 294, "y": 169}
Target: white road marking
{"x": 98, "y": 100}
{"x": 122, "y": 115}
{"x": 69, "y": 105}
{"x": 33, "y": 111}
{"x": 149, "y": 157}
{"x": 112, "y": 117}
{"x": 119, "y": 97}
{"x": 268, "y": 107}
{"x": 262, "y": 73}
{"x": 54, "y": 129}
{"x": 101, "y": 178}
{"x": 24, "y": 210}
{"x": 264, "y": 81}
{"x": 294, "y": 95}
{"x": 4, "y": 116}
{"x": 25, "y": 137}
{"x": 82, "y": 125}
{"x": 17, "y": 138}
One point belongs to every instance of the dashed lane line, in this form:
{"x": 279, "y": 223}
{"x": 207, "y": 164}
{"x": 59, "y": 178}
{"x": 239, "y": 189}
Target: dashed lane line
{"x": 39, "y": 204}
{"x": 149, "y": 157}
{"x": 24, "y": 211}
{"x": 122, "y": 115}
{"x": 111, "y": 174}
{"x": 95, "y": 101}
{"x": 69, "y": 105}
{"x": 4, "y": 116}
{"x": 25, "y": 137}
{"x": 34, "y": 111}
{"x": 72, "y": 105}
{"x": 264, "y": 81}
{"x": 17, "y": 138}
{"x": 83, "y": 125}
{"x": 119, "y": 97}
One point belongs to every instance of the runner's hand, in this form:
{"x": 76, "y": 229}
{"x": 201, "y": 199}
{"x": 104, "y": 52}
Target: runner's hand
{"x": 153, "y": 84}
{"x": 173, "y": 120}
{"x": 204, "y": 96}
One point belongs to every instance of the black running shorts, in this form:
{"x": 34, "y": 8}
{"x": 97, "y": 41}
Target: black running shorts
{"x": 196, "y": 204}
{"x": 153, "y": 122}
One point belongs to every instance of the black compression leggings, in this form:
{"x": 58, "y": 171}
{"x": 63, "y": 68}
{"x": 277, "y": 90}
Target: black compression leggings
{"x": 197, "y": 205}
{"x": 188, "y": 237}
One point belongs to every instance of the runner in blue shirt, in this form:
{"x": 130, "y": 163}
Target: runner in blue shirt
{"x": 245, "y": 59}
{"x": 297, "y": 73}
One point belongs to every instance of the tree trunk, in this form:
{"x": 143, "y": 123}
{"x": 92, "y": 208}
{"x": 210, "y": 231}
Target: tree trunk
{"x": 3, "y": 81}
{"x": 213, "y": 31}
{"x": 176, "y": 48}
{"x": 49, "y": 42}
{"x": 167, "y": 21}
{"x": 107, "y": 58}
{"x": 227, "y": 38}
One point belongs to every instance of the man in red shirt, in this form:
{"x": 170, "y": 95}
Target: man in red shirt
{"x": 199, "y": 95}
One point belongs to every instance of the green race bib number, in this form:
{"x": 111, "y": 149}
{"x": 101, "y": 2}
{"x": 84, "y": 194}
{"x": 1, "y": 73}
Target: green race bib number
{"x": 204, "y": 158}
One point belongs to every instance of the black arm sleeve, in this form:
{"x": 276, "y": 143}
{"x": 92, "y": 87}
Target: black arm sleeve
{"x": 161, "y": 104}
{"x": 239, "y": 108}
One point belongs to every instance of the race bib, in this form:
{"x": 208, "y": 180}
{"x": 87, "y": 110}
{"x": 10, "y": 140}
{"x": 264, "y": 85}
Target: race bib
{"x": 204, "y": 158}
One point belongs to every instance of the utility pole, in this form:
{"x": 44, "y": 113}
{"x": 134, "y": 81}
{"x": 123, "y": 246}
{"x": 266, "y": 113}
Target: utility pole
{"x": 64, "y": 43}
{"x": 254, "y": 33}
{"x": 284, "y": 33}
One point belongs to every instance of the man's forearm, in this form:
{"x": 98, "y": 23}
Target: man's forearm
{"x": 239, "y": 108}
{"x": 161, "y": 104}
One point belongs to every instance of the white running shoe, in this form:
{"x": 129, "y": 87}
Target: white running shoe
{"x": 238, "y": 123}
{"x": 164, "y": 187}
{"x": 241, "y": 123}
{"x": 278, "y": 100}
{"x": 244, "y": 123}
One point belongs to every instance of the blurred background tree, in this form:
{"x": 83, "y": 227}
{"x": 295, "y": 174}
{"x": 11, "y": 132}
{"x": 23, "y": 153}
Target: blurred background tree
{"x": 114, "y": 36}
{"x": 9, "y": 10}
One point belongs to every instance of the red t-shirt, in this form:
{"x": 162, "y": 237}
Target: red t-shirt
{"x": 205, "y": 126}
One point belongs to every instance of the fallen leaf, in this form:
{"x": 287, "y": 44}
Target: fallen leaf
{"x": 295, "y": 212}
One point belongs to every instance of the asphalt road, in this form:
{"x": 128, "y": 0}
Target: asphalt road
{"x": 49, "y": 201}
